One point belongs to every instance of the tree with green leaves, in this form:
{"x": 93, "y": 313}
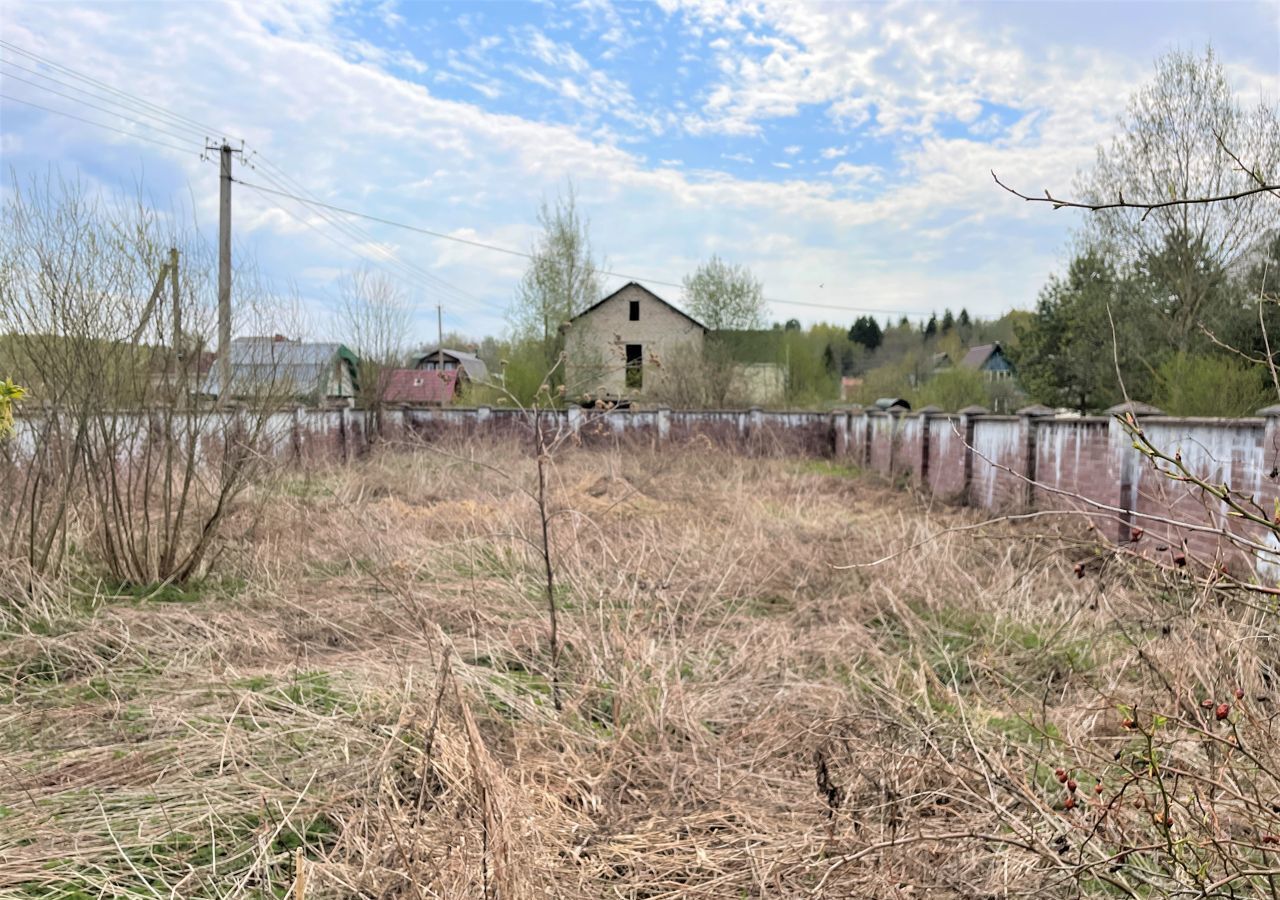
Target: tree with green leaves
{"x": 562, "y": 280}
{"x": 1065, "y": 353}
{"x": 725, "y": 296}
{"x": 1185, "y": 135}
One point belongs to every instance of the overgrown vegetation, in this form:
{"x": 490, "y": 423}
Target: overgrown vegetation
{"x": 739, "y": 717}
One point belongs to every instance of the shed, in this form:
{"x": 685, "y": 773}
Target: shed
{"x": 889, "y": 404}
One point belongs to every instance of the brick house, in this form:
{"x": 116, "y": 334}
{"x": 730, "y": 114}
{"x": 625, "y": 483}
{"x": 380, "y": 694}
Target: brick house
{"x": 617, "y": 348}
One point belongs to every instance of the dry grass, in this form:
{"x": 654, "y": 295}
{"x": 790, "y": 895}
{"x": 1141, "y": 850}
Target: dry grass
{"x": 370, "y": 686}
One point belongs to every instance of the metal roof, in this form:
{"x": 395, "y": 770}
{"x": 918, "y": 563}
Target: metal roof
{"x": 471, "y": 364}
{"x": 281, "y": 365}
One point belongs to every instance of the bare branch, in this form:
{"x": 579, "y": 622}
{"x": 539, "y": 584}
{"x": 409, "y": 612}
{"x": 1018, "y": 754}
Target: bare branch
{"x": 1121, "y": 203}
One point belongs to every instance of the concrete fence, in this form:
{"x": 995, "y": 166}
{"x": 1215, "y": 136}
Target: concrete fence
{"x": 1029, "y": 461}
{"x": 1004, "y": 464}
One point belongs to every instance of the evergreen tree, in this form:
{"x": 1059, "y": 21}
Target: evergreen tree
{"x": 866, "y": 331}
{"x": 1065, "y": 355}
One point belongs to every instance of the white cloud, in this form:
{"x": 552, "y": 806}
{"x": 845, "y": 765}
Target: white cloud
{"x": 792, "y": 150}
{"x": 353, "y": 130}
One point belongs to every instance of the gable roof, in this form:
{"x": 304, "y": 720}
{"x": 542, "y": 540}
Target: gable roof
{"x": 977, "y": 356}
{"x": 292, "y": 366}
{"x": 418, "y": 386}
{"x": 471, "y": 364}
{"x": 637, "y": 284}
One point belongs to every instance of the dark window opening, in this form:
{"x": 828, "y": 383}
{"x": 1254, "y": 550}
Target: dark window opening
{"x": 635, "y": 310}
{"x": 635, "y": 366}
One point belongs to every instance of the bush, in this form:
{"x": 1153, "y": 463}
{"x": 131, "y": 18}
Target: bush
{"x": 953, "y": 390}
{"x": 1189, "y": 384}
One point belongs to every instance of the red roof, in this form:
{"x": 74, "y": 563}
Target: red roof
{"x": 419, "y": 386}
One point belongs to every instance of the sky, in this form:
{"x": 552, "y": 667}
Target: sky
{"x": 841, "y": 151}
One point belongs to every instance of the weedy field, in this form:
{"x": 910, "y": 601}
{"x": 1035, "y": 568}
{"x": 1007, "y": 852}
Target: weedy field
{"x": 362, "y": 702}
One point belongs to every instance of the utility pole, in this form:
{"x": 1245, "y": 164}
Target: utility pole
{"x": 177, "y": 303}
{"x": 440, "y": 335}
{"x": 224, "y": 270}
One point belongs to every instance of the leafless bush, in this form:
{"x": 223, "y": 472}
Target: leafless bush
{"x": 105, "y": 312}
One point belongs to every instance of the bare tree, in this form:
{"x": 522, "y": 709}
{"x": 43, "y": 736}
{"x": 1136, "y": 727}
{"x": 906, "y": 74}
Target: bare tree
{"x": 374, "y": 317}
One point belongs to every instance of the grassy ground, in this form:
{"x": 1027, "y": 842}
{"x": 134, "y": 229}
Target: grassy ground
{"x": 367, "y": 687}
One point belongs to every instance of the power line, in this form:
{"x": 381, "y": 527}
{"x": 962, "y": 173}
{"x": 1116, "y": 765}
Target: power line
{"x": 110, "y": 112}
{"x": 350, "y": 230}
{"x": 89, "y": 79}
{"x": 433, "y": 282}
{"x": 507, "y": 250}
{"x": 134, "y": 104}
{"x": 131, "y": 134}
{"x": 328, "y": 237}
{"x": 168, "y": 119}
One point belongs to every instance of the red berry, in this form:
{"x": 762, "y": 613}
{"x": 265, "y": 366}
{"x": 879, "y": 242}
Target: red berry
{"x": 1069, "y": 803}
{"x": 1239, "y": 693}
{"x": 1062, "y": 777}
{"x": 1206, "y": 703}
{"x": 1223, "y": 710}
{"x": 1136, "y": 535}
{"x": 1071, "y": 786}
{"x": 1097, "y": 788}
{"x": 1270, "y": 839}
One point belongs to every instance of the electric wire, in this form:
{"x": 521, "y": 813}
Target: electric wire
{"x": 130, "y": 134}
{"x": 89, "y": 79}
{"x": 507, "y": 250}
{"x": 168, "y": 120}
{"x": 280, "y": 179}
{"x": 182, "y": 137}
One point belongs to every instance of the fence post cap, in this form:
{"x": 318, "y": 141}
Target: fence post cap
{"x": 1270, "y": 411}
{"x": 974, "y": 410}
{"x": 1135, "y": 408}
{"x": 1037, "y": 409}
{"x": 925, "y": 411}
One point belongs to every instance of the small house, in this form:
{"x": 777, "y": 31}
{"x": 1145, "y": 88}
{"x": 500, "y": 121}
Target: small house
{"x": 467, "y": 367}
{"x": 617, "y": 348}
{"x": 419, "y": 387}
{"x": 990, "y": 360}
{"x": 280, "y": 367}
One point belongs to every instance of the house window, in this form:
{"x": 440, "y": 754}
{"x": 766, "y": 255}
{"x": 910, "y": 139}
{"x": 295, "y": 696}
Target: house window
{"x": 635, "y": 310}
{"x": 635, "y": 366}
